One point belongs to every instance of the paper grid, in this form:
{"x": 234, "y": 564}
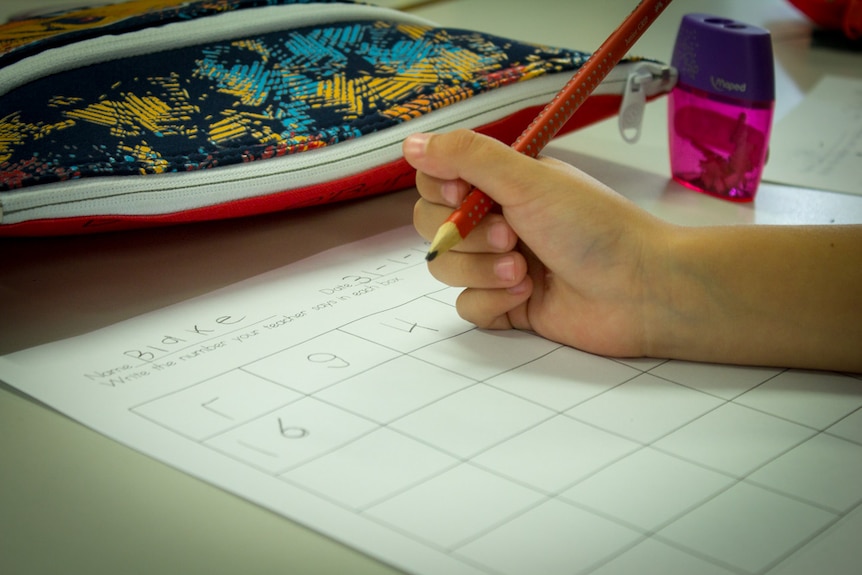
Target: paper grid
{"x": 507, "y": 453}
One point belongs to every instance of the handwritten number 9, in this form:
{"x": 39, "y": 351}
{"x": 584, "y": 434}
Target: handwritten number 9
{"x": 332, "y": 360}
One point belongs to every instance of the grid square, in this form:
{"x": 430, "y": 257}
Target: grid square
{"x": 748, "y": 527}
{"x": 318, "y": 363}
{"x": 555, "y": 453}
{"x": 818, "y": 471}
{"x": 734, "y": 439}
{"x": 647, "y": 489}
{"x": 410, "y": 326}
{"x": 644, "y": 408}
{"x": 482, "y": 354}
{"x": 553, "y": 538}
{"x": 563, "y": 378}
{"x": 371, "y": 468}
{"x": 394, "y": 389}
{"x": 448, "y": 295}
{"x": 472, "y": 420}
{"x": 816, "y": 399}
{"x": 291, "y": 435}
{"x": 725, "y": 381}
{"x": 453, "y": 506}
{"x": 652, "y": 557}
{"x": 217, "y": 404}
{"x": 850, "y": 427}
{"x": 835, "y": 551}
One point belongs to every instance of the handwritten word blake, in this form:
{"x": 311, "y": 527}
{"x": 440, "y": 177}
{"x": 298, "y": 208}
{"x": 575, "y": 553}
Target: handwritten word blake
{"x": 171, "y": 343}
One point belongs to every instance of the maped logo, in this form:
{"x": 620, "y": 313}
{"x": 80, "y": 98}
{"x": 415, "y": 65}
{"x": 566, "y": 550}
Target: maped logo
{"x": 722, "y": 85}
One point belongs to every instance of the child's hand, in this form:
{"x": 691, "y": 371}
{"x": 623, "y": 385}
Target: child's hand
{"x": 568, "y": 258}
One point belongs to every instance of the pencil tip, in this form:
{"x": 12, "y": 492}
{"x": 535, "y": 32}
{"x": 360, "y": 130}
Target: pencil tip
{"x": 447, "y": 236}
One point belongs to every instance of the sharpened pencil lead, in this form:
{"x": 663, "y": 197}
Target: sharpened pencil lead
{"x": 447, "y": 236}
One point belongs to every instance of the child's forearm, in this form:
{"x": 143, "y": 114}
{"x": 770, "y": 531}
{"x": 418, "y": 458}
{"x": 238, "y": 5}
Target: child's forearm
{"x": 768, "y": 295}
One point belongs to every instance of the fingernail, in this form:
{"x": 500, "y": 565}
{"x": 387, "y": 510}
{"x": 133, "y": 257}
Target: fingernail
{"x": 504, "y": 268}
{"x": 415, "y": 144}
{"x": 498, "y": 236}
{"x": 520, "y": 288}
{"x": 451, "y": 193}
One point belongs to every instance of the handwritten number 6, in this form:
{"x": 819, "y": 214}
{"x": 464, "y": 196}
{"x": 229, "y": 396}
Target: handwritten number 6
{"x": 291, "y": 432}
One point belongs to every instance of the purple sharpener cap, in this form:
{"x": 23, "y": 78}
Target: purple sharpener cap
{"x": 725, "y": 57}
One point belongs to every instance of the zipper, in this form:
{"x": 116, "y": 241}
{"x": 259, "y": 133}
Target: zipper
{"x": 218, "y": 27}
{"x": 640, "y": 83}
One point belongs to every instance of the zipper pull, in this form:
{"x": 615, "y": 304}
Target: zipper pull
{"x": 631, "y": 113}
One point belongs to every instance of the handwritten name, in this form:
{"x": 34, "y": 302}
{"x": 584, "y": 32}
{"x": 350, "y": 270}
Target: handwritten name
{"x": 173, "y": 342}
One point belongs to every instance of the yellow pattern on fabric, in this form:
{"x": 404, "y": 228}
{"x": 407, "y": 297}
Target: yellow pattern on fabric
{"x": 14, "y": 132}
{"x": 19, "y": 33}
{"x": 256, "y": 46}
{"x": 241, "y": 125}
{"x": 412, "y": 31}
{"x": 133, "y": 115}
{"x": 150, "y": 158}
{"x": 352, "y": 96}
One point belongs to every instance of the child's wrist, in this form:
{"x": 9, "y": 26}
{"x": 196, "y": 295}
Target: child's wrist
{"x": 672, "y": 298}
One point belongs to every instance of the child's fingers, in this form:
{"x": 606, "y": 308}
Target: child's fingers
{"x": 493, "y": 234}
{"x": 494, "y": 308}
{"x": 462, "y": 155}
{"x": 484, "y": 271}
{"x": 446, "y": 192}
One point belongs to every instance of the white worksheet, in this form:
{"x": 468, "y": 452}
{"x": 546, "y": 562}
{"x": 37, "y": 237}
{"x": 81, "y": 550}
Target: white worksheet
{"x": 345, "y": 393}
{"x": 830, "y": 159}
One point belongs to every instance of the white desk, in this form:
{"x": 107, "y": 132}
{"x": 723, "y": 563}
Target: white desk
{"x": 125, "y": 513}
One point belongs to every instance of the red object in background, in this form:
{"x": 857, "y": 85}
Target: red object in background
{"x": 844, "y": 15}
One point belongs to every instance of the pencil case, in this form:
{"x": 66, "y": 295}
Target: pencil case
{"x": 156, "y": 112}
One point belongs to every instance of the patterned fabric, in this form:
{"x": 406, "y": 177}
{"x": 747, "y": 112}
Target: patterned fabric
{"x": 22, "y": 38}
{"x": 246, "y": 99}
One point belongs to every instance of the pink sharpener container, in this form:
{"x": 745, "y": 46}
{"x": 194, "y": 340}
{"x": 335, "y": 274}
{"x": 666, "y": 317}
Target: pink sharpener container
{"x": 720, "y": 111}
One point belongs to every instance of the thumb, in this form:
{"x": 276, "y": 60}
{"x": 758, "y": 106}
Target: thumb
{"x": 485, "y": 163}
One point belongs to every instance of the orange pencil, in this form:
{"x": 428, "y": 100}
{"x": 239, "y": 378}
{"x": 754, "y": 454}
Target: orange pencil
{"x": 552, "y": 117}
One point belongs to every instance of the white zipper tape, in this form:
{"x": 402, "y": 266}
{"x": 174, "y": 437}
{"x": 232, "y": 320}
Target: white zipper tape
{"x": 224, "y": 26}
{"x": 174, "y": 192}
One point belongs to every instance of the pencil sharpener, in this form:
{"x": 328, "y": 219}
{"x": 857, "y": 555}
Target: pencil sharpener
{"x": 720, "y": 111}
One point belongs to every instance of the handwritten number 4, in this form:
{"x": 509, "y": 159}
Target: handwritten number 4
{"x": 408, "y": 326}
